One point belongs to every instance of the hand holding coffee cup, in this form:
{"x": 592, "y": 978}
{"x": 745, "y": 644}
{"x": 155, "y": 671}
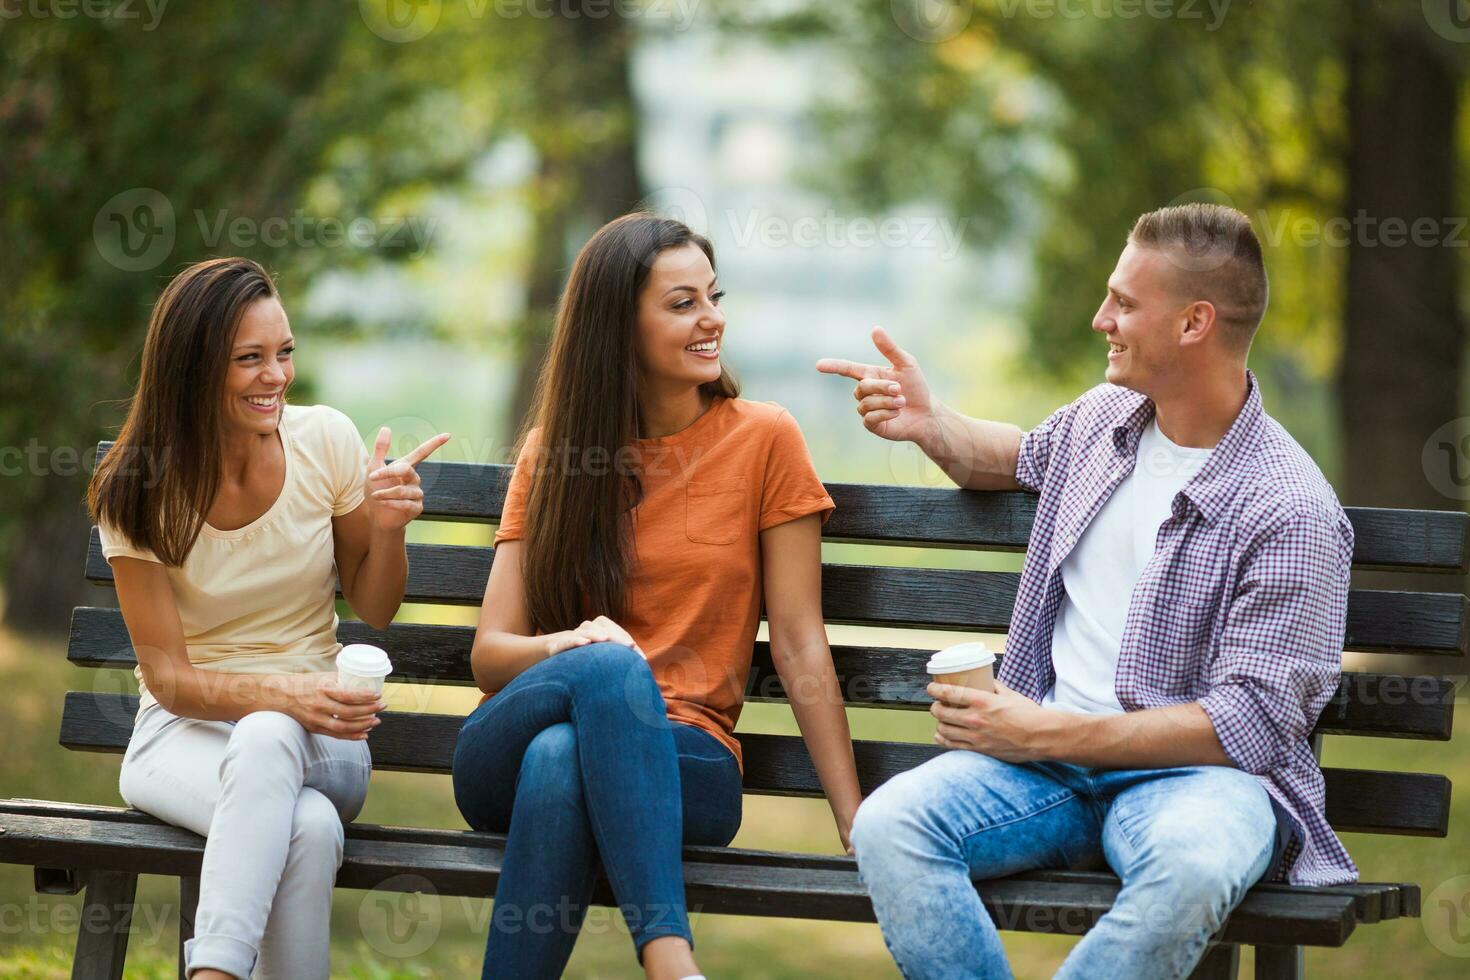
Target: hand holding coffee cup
{"x": 362, "y": 667}
{"x": 969, "y": 665}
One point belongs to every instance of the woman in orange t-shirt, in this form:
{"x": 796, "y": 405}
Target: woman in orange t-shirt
{"x": 650, "y": 513}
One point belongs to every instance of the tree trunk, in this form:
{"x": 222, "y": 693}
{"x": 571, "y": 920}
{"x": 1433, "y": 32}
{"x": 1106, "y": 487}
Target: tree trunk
{"x": 1399, "y": 379}
{"x": 43, "y": 570}
{"x": 580, "y": 189}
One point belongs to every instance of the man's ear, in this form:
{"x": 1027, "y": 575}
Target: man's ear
{"x": 1199, "y": 321}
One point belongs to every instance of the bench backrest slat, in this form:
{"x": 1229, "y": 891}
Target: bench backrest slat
{"x": 778, "y": 765}
{"x": 885, "y": 677}
{"x": 950, "y": 599}
{"x": 1385, "y": 538}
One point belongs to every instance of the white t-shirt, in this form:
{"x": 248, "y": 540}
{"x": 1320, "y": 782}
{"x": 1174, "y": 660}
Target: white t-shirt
{"x": 262, "y": 598}
{"x": 1099, "y": 573}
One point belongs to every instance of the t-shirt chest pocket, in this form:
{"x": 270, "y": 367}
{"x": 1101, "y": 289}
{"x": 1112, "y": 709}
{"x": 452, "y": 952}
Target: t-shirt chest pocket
{"x": 714, "y": 510}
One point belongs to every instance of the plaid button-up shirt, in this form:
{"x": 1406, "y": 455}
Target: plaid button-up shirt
{"x": 1242, "y": 607}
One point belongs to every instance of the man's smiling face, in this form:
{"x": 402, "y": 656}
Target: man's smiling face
{"x": 1141, "y": 318}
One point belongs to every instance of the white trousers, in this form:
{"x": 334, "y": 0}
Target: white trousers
{"x": 271, "y": 800}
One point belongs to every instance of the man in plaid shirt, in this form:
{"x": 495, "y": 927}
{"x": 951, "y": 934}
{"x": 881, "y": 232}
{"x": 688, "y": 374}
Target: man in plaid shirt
{"x": 1178, "y": 628}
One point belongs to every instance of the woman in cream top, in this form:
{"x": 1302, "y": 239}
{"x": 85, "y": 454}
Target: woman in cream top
{"x": 259, "y": 599}
{"x": 228, "y": 518}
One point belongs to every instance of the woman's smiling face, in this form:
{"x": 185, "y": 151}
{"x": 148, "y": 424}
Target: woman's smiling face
{"x": 680, "y": 328}
{"x": 260, "y": 369}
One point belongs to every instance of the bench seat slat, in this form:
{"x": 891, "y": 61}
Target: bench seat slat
{"x": 953, "y": 599}
{"x": 1388, "y": 539}
{"x": 1384, "y": 705}
{"x": 778, "y": 765}
{"x": 725, "y": 880}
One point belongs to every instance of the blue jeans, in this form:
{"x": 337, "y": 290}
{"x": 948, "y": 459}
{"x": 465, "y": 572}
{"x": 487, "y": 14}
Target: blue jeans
{"x": 1186, "y": 842}
{"x": 577, "y": 761}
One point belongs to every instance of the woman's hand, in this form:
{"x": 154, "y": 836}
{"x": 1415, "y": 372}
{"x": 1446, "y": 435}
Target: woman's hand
{"x": 599, "y": 630}
{"x": 394, "y": 496}
{"x": 323, "y": 708}
{"x": 844, "y": 831}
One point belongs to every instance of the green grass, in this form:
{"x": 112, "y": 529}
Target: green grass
{"x": 380, "y": 936}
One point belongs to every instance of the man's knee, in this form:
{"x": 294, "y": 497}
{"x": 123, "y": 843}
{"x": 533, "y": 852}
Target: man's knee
{"x": 873, "y": 824}
{"x": 1202, "y": 872}
{"x": 892, "y": 820}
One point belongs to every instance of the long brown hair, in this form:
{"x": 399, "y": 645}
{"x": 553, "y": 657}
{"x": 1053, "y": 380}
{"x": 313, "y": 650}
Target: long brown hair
{"x": 156, "y": 483}
{"x": 578, "y": 526}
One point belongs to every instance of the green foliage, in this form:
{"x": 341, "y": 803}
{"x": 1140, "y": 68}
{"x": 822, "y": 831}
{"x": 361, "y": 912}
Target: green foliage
{"x": 1064, "y": 123}
{"x": 253, "y": 116}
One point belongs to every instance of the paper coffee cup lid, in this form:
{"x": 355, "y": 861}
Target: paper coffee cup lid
{"x": 364, "y": 660}
{"x": 965, "y": 656}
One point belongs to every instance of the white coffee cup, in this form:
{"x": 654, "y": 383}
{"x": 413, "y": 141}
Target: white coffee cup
{"x": 964, "y": 665}
{"x": 362, "y": 667}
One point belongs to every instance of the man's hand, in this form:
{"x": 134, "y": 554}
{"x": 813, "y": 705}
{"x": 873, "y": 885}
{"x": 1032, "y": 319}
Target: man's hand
{"x": 1012, "y": 727}
{"x": 1004, "y": 725}
{"x": 893, "y": 400}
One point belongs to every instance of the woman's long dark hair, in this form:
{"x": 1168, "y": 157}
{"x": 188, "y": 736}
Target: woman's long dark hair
{"x": 578, "y": 528}
{"x": 156, "y": 483}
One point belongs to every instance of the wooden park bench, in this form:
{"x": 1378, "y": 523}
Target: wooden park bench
{"x": 103, "y": 849}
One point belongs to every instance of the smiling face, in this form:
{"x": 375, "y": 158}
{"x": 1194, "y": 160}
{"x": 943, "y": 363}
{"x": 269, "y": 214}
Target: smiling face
{"x": 260, "y": 369}
{"x": 680, "y": 328}
{"x": 1144, "y": 319}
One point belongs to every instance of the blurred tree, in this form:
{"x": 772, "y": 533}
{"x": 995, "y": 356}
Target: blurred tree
{"x": 128, "y": 153}
{"x": 582, "y": 120}
{"x": 197, "y": 111}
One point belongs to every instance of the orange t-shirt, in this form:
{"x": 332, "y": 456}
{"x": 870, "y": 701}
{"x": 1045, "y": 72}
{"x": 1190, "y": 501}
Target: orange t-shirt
{"x": 694, "y": 591}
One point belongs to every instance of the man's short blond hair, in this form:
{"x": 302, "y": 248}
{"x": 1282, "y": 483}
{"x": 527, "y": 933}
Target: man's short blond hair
{"x": 1218, "y": 257}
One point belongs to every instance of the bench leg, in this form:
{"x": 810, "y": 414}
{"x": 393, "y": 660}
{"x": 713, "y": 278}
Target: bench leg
{"x": 1279, "y": 963}
{"x": 1221, "y": 962}
{"x": 188, "y": 903}
{"x": 107, "y": 913}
